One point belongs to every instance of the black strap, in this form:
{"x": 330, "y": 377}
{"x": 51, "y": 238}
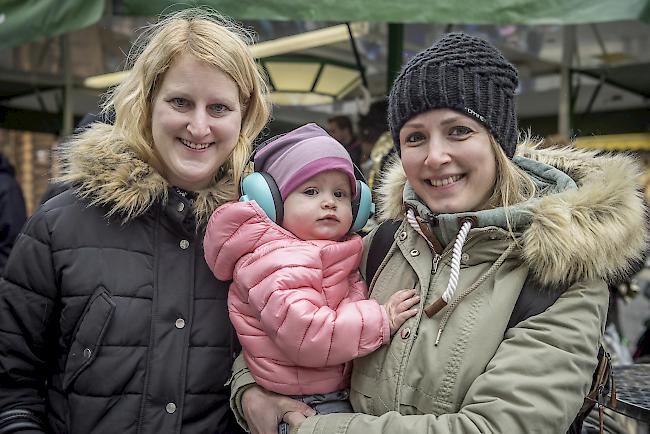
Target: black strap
{"x": 379, "y": 246}
{"x": 532, "y": 300}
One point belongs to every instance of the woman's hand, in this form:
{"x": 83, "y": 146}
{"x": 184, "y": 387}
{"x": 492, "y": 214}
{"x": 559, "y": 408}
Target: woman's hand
{"x": 265, "y": 410}
{"x": 294, "y": 419}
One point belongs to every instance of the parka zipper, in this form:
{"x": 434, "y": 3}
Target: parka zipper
{"x": 435, "y": 262}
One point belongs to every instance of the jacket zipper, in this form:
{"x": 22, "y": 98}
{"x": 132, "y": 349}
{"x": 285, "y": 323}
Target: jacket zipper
{"x": 435, "y": 262}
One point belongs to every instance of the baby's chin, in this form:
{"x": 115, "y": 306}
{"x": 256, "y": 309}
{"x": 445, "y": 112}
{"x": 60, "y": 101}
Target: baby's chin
{"x": 327, "y": 237}
{"x": 319, "y": 234}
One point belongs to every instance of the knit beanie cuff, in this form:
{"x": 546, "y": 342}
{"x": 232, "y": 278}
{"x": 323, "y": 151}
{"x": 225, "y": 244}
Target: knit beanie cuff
{"x": 314, "y": 168}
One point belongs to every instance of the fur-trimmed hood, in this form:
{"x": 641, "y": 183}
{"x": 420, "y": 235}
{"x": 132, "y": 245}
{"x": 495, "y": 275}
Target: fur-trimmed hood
{"x": 108, "y": 173}
{"x": 591, "y": 226}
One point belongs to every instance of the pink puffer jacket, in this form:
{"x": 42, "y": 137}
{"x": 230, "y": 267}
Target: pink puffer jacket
{"x": 300, "y": 308}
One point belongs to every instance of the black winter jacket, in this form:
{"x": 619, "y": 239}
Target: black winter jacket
{"x": 110, "y": 319}
{"x": 12, "y": 210}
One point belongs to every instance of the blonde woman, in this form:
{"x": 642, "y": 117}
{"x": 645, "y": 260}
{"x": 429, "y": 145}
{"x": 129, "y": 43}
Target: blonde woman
{"x": 486, "y": 227}
{"x": 109, "y": 317}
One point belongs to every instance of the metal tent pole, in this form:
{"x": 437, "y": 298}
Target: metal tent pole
{"x": 68, "y": 111}
{"x": 395, "y": 53}
{"x": 565, "y": 108}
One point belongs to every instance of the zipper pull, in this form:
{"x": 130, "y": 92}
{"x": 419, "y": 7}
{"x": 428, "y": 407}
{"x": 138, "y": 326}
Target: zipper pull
{"x": 434, "y": 263}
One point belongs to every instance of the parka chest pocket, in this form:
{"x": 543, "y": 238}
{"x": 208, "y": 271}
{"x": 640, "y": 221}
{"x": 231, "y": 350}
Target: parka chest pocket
{"x": 88, "y": 334}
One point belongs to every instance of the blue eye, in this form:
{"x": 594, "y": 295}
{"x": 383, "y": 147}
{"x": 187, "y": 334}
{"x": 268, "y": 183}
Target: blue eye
{"x": 460, "y": 130}
{"x": 178, "y": 102}
{"x": 310, "y": 192}
{"x": 414, "y": 138}
{"x": 218, "y": 108}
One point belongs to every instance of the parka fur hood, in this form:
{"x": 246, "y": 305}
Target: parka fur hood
{"x": 109, "y": 173}
{"x": 597, "y": 230}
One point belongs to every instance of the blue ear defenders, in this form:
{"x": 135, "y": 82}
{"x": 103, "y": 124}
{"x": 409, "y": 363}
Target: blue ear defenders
{"x": 261, "y": 187}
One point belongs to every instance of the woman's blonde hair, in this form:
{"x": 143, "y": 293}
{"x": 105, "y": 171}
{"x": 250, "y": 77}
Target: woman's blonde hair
{"x": 512, "y": 184}
{"x": 210, "y": 38}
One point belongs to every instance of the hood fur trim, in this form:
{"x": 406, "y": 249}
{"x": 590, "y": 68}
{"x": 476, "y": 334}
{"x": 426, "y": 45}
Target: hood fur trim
{"x": 108, "y": 173}
{"x": 596, "y": 231}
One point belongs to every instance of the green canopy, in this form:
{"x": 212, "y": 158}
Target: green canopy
{"x": 29, "y": 20}
{"x": 412, "y": 11}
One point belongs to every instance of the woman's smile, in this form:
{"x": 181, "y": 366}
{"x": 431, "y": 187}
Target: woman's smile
{"x": 195, "y": 146}
{"x": 444, "y": 182}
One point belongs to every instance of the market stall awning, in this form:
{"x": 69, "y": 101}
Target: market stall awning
{"x": 27, "y": 20}
{"x": 23, "y": 21}
{"x": 412, "y": 11}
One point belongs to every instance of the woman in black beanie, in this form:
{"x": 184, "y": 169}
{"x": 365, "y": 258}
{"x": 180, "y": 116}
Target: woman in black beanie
{"x": 510, "y": 248}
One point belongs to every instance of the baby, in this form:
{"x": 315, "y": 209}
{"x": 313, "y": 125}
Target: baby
{"x": 297, "y": 300}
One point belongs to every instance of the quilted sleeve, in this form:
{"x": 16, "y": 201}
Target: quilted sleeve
{"x": 27, "y": 300}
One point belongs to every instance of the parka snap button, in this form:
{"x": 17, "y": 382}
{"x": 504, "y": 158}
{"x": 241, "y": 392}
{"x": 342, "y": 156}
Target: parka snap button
{"x": 170, "y": 407}
{"x": 184, "y": 244}
{"x": 402, "y": 236}
{"x": 180, "y": 323}
{"x": 415, "y": 252}
{"x": 465, "y": 257}
{"x": 405, "y": 333}
{"x": 87, "y": 353}
{"x": 180, "y": 207}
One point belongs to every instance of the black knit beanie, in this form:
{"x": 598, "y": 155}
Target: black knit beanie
{"x": 463, "y": 73}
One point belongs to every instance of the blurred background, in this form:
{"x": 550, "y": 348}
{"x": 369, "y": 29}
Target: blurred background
{"x": 584, "y": 65}
{"x": 584, "y": 70}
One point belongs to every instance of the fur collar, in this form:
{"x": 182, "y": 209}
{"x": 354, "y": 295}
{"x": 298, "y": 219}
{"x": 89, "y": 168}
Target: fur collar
{"x": 108, "y": 173}
{"x": 594, "y": 231}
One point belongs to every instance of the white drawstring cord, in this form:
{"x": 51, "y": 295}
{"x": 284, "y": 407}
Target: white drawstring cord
{"x": 448, "y": 294}
{"x": 410, "y": 218}
{"x": 455, "y": 261}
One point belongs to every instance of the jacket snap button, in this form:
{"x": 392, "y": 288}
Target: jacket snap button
{"x": 170, "y": 407}
{"x": 87, "y": 353}
{"x": 180, "y": 323}
{"x": 405, "y": 333}
{"x": 465, "y": 257}
{"x": 184, "y": 244}
{"x": 180, "y": 207}
{"x": 415, "y": 252}
{"x": 402, "y": 236}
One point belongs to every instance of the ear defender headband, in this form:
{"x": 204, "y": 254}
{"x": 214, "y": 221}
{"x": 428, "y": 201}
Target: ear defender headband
{"x": 362, "y": 205}
{"x": 262, "y": 188}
